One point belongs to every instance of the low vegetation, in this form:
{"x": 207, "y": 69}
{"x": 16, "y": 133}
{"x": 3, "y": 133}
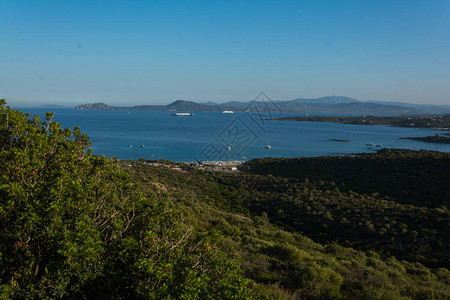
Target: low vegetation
{"x": 318, "y": 238}
{"x": 419, "y": 178}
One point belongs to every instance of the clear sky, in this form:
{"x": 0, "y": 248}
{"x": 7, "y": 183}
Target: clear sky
{"x": 155, "y": 52}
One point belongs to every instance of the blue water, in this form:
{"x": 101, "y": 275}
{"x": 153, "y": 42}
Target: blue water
{"x": 206, "y": 135}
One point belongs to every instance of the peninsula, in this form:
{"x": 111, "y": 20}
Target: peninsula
{"x": 442, "y": 122}
{"x": 431, "y": 139}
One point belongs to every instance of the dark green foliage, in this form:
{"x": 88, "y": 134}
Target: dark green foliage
{"x": 269, "y": 220}
{"x": 328, "y": 212}
{"x": 314, "y": 280}
{"x": 420, "y": 178}
{"x": 74, "y": 225}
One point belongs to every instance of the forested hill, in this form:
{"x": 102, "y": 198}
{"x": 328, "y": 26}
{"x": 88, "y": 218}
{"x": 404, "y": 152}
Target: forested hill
{"x": 420, "y": 178}
{"x": 315, "y": 237}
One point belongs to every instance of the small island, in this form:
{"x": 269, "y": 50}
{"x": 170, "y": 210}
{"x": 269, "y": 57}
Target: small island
{"x": 431, "y": 139}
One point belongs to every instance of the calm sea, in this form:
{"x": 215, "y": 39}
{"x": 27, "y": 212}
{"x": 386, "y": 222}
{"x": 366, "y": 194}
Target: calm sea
{"x": 218, "y": 136}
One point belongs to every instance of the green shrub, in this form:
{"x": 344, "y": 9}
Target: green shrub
{"x": 313, "y": 280}
{"x": 286, "y": 252}
{"x": 377, "y": 293}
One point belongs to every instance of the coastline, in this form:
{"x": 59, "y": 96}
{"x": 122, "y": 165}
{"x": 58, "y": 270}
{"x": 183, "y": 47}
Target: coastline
{"x": 437, "y": 139}
{"x": 222, "y": 165}
{"x": 436, "y": 122}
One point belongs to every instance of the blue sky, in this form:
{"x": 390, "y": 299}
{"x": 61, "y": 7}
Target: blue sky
{"x": 155, "y": 52}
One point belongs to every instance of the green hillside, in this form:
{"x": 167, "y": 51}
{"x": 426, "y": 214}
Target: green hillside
{"x": 420, "y": 178}
{"x": 314, "y": 238}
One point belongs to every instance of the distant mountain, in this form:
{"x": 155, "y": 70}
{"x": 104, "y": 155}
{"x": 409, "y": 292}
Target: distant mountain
{"x": 425, "y": 107}
{"x": 52, "y": 106}
{"x": 236, "y": 104}
{"x": 179, "y": 105}
{"x": 324, "y": 105}
{"x": 325, "y": 100}
{"x": 210, "y": 103}
{"x": 101, "y": 106}
{"x": 191, "y": 106}
{"x": 38, "y": 106}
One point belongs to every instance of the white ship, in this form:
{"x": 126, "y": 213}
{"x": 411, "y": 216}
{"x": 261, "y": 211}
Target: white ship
{"x": 228, "y": 112}
{"x": 183, "y": 114}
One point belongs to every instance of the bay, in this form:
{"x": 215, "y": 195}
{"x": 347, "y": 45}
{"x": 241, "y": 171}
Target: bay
{"x": 218, "y": 136}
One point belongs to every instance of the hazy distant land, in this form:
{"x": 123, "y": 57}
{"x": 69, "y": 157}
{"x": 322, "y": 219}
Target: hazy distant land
{"x": 336, "y": 105}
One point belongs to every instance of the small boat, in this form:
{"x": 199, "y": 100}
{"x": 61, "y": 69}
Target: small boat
{"x": 183, "y": 114}
{"x": 370, "y": 144}
{"x": 229, "y": 147}
{"x": 379, "y": 145}
{"x": 131, "y": 146}
{"x": 228, "y": 112}
{"x": 142, "y": 146}
{"x": 268, "y": 146}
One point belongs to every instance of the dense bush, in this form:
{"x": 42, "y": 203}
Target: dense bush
{"x": 419, "y": 178}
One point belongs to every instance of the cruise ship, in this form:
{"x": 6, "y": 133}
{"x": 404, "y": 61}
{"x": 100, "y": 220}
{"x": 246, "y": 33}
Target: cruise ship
{"x": 228, "y": 112}
{"x": 182, "y": 114}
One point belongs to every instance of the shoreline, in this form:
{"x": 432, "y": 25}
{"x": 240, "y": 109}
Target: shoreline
{"x": 435, "y": 139}
{"x": 436, "y": 123}
{"x": 222, "y": 165}
{"x": 228, "y": 165}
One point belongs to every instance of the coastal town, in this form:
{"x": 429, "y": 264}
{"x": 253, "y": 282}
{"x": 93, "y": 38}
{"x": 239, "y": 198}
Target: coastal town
{"x": 218, "y": 166}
